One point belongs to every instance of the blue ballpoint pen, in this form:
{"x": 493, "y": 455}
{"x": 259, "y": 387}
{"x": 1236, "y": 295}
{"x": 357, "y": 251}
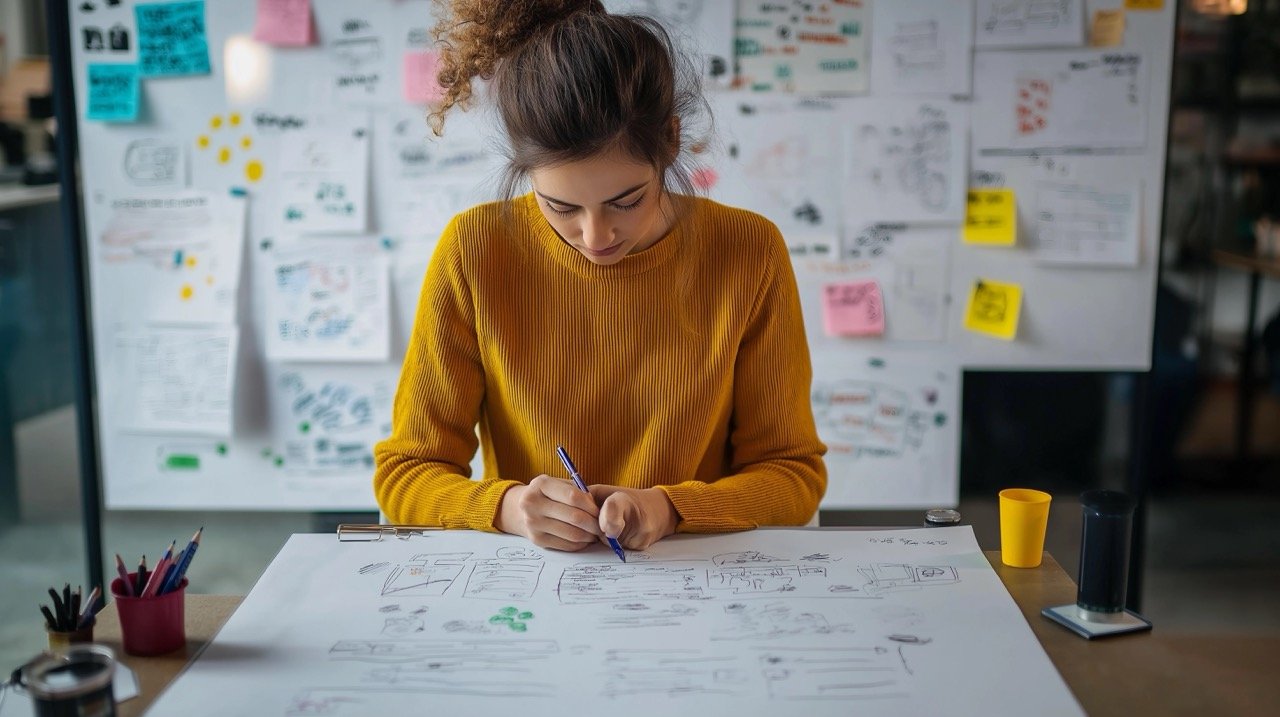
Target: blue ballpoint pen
{"x": 577, "y": 480}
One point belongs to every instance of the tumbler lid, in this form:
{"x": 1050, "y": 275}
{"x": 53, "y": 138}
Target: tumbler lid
{"x": 81, "y": 670}
{"x": 942, "y": 516}
{"x": 1107, "y": 502}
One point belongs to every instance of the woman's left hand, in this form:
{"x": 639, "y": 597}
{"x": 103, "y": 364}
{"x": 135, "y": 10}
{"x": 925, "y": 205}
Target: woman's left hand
{"x": 637, "y": 517}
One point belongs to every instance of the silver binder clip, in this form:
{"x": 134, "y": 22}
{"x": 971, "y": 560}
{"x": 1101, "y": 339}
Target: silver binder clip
{"x": 373, "y": 532}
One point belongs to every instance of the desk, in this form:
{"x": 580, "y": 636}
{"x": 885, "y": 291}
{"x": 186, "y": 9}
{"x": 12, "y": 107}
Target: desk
{"x": 1256, "y": 268}
{"x": 1149, "y": 673}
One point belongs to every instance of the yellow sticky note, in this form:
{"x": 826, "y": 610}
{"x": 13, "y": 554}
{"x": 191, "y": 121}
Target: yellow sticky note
{"x": 991, "y": 218}
{"x": 1143, "y": 4}
{"x": 993, "y": 309}
{"x": 1107, "y": 28}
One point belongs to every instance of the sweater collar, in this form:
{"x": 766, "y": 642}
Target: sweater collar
{"x": 572, "y": 259}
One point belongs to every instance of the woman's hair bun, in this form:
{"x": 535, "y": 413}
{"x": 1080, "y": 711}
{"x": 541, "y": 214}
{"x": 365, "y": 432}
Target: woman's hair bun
{"x": 474, "y": 35}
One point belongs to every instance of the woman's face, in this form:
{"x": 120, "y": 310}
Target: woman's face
{"x": 606, "y": 206}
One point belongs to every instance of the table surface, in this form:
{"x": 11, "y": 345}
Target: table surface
{"x": 1149, "y": 673}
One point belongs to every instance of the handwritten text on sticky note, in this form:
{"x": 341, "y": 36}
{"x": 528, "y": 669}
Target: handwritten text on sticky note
{"x": 853, "y": 309}
{"x": 285, "y": 23}
{"x": 113, "y": 93}
{"x": 993, "y": 309}
{"x": 171, "y": 39}
{"x": 991, "y": 217}
{"x": 420, "y": 84}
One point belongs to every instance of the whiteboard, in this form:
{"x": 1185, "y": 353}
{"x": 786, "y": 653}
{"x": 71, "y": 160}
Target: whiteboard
{"x": 301, "y": 429}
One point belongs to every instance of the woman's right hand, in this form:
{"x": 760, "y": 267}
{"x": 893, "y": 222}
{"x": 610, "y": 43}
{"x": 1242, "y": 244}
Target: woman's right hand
{"x": 551, "y": 513}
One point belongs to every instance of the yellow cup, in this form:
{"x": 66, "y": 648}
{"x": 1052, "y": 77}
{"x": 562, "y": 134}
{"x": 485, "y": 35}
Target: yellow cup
{"x": 1024, "y": 514}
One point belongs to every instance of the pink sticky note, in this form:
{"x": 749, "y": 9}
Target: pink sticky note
{"x": 854, "y": 308}
{"x": 420, "y": 84}
{"x": 285, "y": 22}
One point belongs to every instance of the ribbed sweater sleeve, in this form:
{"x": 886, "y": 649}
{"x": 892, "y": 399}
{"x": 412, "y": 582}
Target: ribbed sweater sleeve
{"x": 777, "y": 475}
{"x": 423, "y": 468}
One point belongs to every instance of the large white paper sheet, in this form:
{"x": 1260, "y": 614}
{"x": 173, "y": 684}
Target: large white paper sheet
{"x": 173, "y": 380}
{"x": 363, "y": 68}
{"x": 802, "y": 47}
{"x": 174, "y": 257}
{"x": 922, "y": 47}
{"x": 1090, "y": 225}
{"x": 892, "y": 429}
{"x": 1028, "y": 23}
{"x": 905, "y": 161}
{"x": 702, "y": 27}
{"x": 330, "y": 300}
{"x": 756, "y": 623}
{"x": 1060, "y": 100}
{"x": 324, "y": 176}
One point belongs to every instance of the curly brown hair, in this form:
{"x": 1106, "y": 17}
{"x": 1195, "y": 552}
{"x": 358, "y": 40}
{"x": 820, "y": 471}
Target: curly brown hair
{"x": 570, "y": 80}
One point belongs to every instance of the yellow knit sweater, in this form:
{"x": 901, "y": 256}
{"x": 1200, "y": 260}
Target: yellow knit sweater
{"x": 683, "y": 366}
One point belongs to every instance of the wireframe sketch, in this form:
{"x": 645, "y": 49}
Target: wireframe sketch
{"x": 905, "y": 164}
{"x": 910, "y": 159}
{"x": 503, "y": 579}
{"x": 671, "y": 673}
{"x": 747, "y": 557}
{"x": 871, "y": 419}
{"x": 329, "y": 423}
{"x": 154, "y": 162}
{"x": 639, "y": 615}
{"x": 1018, "y": 17}
{"x": 329, "y": 303}
{"x": 917, "y": 48}
{"x": 425, "y": 575}
{"x": 744, "y": 580}
{"x": 896, "y": 577}
{"x": 607, "y": 582}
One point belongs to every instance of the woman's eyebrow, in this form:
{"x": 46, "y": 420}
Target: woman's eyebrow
{"x": 614, "y": 198}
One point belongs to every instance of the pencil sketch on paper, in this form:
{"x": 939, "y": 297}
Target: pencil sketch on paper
{"x": 425, "y": 575}
{"x": 917, "y": 48}
{"x": 329, "y": 423}
{"x": 896, "y": 577}
{"x": 834, "y": 673}
{"x": 745, "y": 580}
{"x": 1019, "y": 17}
{"x": 906, "y": 161}
{"x": 774, "y": 621}
{"x": 672, "y": 673}
{"x": 503, "y": 579}
{"x": 607, "y": 582}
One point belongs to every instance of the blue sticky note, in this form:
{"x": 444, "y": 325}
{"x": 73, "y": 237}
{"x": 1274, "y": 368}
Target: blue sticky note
{"x": 171, "y": 39}
{"x": 113, "y": 93}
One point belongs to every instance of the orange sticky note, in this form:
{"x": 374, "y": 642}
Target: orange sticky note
{"x": 853, "y": 309}
{"x": 285, "y": 22}
{"x": 420, "y": 84}
{"x": 993, "y": 309}
{"x": 1143, "y": 4}
{"x": 1107, "y": 28}
{"x": 991, "y": 217}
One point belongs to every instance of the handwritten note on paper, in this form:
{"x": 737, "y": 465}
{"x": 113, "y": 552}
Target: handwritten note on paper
{"x": 113, "y": 93}
{"x": 329, "y": 300}
{"x": 324, "y": 177}
{"x": 1028, "y": 23}
{"x": 993, "y": 309}
{"x": 171, "y": 39}
{"x": 173, "y": 257}
{"x": 992, "y": 217}
{"x": 420, "y": 83}
{"x": 922, "y": 47}
{"x": 853, "y": 309}
{"x": 362, "y": 60}
{"x": 285, "y": 23}
{"x": 328, "y": 419}
{"x": 174, "y": 380}
{"x": 1087, "y": 225}
{"x": 823, "y": 49}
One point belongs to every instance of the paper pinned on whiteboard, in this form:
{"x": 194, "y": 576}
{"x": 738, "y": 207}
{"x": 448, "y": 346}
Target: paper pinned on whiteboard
{"x": 328, "y": 419}
{"x": 922, "y": 47}
{"x": 174, "y": 380}
{"x": 329, "y": 300}
{"x": 1028, "y": 23}
{"x": 324, "y": 177}
{"x": 1087, "y": 224}
{"x": 703, "y": 27}
{"x": 823, "y": 49}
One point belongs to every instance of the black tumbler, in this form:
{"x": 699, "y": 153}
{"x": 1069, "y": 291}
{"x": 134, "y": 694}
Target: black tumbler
{"x": 1104, "y": 552}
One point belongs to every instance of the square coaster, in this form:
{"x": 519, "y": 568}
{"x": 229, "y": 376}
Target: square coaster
{"x": 1122, "y": 622}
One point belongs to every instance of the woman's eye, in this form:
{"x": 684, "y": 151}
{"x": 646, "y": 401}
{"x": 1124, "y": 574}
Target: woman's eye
{"x": 632, "y": 205}
{"x": 560, "y": 210}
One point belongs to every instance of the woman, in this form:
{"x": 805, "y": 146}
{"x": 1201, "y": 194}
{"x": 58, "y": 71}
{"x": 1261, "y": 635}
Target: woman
{"x": 655, "y": 335}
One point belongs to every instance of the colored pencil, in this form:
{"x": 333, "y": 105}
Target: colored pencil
{"x": 49, "y": 619}
{"x": 57, "y": 609}
{"x": 89, "y": 612}
{"x": 140, "y": 580}
{"x": 157, "y": 576}
{"x": 125, "y": 584}
{"x": 183, "y": 562}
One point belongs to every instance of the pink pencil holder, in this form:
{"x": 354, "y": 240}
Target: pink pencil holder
{"x": 151, "y": 625}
